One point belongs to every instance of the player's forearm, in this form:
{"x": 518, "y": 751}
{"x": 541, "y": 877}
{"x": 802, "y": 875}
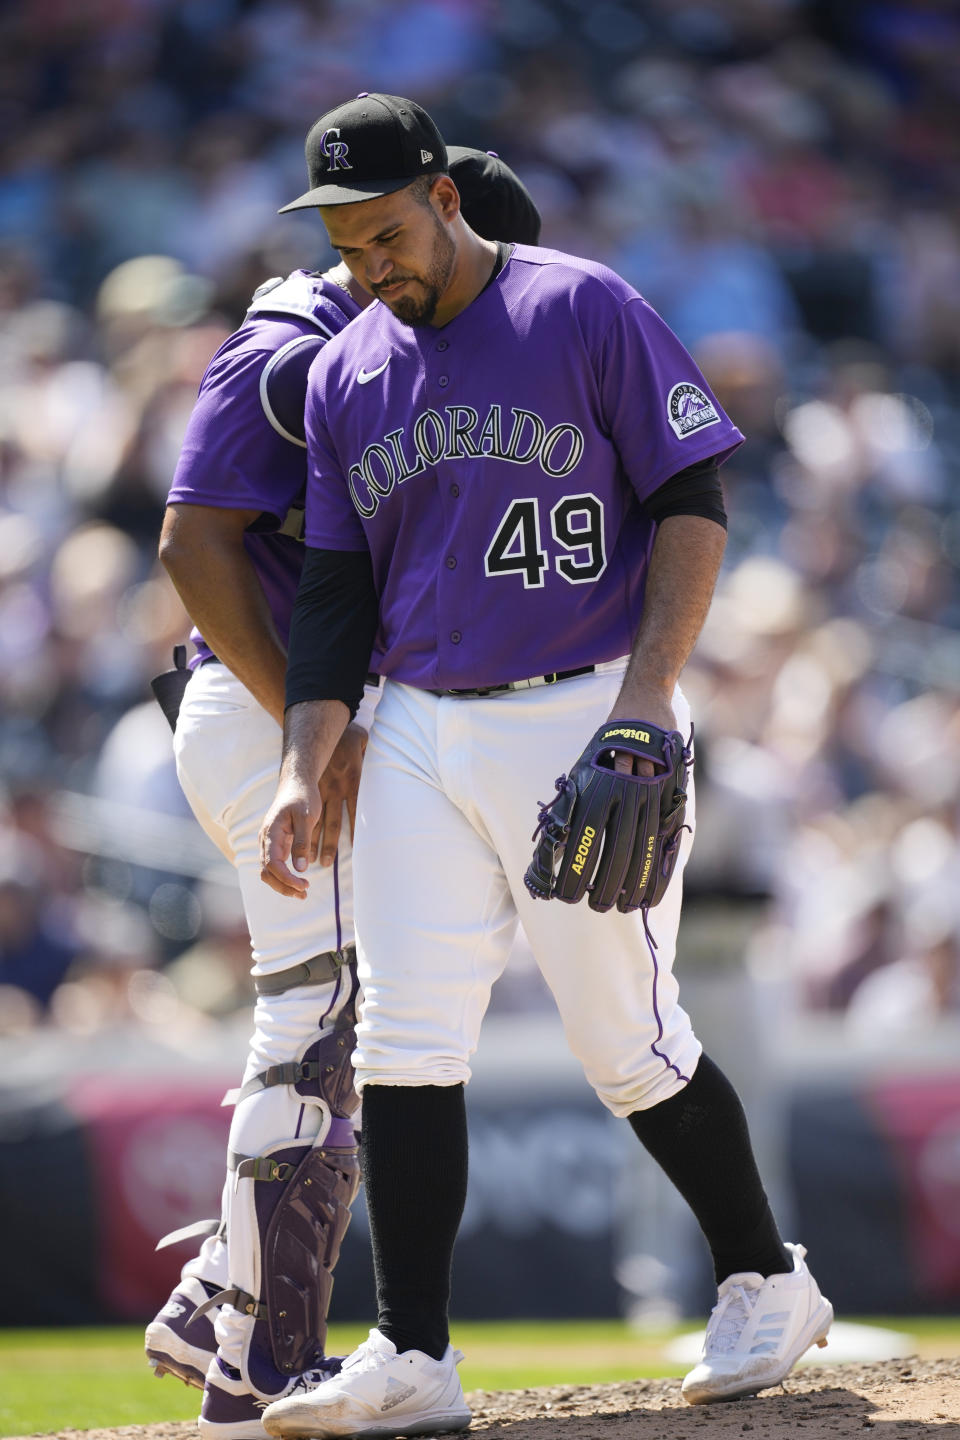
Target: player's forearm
{"x": 311, "y": 730}
{"x": 223, "y": 597}
{"x": 684, "y": 565}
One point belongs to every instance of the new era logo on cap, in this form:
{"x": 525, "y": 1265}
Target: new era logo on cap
{"x": 367, "y": 147}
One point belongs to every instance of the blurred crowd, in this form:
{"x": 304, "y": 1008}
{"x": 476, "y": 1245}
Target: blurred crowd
{"x": 780, "y": 179}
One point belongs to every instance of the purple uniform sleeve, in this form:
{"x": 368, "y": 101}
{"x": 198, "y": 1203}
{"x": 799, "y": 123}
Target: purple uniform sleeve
{"x": 332, "y": 523}
{"x": 661, "y": 413}
{"x": 233, "y": 457}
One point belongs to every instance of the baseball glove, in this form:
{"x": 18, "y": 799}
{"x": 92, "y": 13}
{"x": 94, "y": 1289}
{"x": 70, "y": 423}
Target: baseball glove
{"x": 610, "y": 836}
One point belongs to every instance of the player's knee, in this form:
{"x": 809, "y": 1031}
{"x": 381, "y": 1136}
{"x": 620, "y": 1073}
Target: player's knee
{"x": 404, "y": 1068}
{"x": 650, "y": 1084}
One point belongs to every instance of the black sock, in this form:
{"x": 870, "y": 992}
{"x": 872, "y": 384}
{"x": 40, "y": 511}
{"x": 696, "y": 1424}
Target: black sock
{"x": 414, "y": 1153}
{"x": 699, "y": 1138}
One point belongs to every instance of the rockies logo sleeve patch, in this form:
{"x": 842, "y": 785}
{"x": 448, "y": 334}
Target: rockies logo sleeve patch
{"x": 689, "y": 409}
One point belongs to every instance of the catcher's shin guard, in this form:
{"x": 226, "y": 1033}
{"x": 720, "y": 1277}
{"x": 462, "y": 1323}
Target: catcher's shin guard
{"x": 288, "y": 1215}
{"x": 291, "y": 1211}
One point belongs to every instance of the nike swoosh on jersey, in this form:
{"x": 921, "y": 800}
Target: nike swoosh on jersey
{"x": 363, "y": 376}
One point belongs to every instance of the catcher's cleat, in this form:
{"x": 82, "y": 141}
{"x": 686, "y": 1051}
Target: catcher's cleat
{"x": 232, "y": 1412}
{"x": 757, "y": 1332}
{"x": 378, "y": 1393}
{"x": 175, "y": 1347}
{"x": 229, "y": 1411}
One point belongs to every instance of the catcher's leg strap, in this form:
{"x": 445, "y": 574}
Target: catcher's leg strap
{"x": 324, "y": 1071}
{"x": 315, "y": 971}
{"x": 199, "y": 1230}
{"x": 241, "y": 1300}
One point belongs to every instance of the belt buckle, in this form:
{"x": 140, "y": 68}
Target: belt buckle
{"x": 551, "y": 679}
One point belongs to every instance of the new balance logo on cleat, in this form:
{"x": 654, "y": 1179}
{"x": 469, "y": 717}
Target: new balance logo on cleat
{"x": 396, "y": 1391}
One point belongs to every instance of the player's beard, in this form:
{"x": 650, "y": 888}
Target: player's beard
{"x": 420, "y": 311}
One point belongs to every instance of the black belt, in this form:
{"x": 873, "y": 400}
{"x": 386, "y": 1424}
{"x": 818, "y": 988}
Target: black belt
{"x": 517, "y": 684}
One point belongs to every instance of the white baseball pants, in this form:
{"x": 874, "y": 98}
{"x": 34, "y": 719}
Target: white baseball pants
{"x": 227, "y": 751}
{"x": 228, "y": 758}
{"x": 448, "y": 804}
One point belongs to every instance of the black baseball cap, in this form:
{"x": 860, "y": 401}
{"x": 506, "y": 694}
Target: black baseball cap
{"x": 493, "y": 201}
{"x": 367, "y": 147}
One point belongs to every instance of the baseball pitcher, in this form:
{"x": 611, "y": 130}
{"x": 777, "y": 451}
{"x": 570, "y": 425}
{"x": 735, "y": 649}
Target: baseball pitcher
{"x": 514, "y": 512}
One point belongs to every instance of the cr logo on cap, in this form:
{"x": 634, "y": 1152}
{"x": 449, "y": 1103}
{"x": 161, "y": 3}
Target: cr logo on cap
{"x": 335, "y": 150}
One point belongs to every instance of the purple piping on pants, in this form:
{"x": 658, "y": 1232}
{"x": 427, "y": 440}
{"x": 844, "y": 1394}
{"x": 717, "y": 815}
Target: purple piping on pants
{"x": 652, "y": 945}
{"x": 336, "y": 897}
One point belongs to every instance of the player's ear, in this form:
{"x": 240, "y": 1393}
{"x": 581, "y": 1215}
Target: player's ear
{"x": 445, "y": 198}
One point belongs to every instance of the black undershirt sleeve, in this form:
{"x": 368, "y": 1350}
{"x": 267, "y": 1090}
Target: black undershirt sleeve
{"x": 333, "y": 627}
{"x": 693, "y": 491}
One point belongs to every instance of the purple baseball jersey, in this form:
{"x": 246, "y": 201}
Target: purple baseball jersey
{"x": 495, "y": 468}
{"x": 244, "y": 448}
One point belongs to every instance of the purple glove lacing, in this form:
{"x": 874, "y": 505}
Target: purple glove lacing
{"x": 672, "y": 845}
{"x": 669, "y": 850}
{"x": 544, "y": 817}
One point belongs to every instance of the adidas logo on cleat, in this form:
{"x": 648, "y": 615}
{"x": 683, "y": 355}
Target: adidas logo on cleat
{"x": 396, "y": 1392}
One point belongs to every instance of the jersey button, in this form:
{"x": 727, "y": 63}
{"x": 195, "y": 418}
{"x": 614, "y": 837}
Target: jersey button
{"x": 443, "y": 344}
{"x": 455, "y": 636}
{"x": 444, "y": 381}
{"x": 454, "y": 491}
{"x": 451, "y": 562}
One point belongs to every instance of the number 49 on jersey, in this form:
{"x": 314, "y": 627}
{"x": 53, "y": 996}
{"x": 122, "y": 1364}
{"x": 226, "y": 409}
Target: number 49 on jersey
{"x": 576, "y": 527}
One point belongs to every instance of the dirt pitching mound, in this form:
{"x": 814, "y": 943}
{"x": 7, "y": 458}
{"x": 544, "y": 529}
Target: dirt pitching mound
{"x": 897, "y": 1400}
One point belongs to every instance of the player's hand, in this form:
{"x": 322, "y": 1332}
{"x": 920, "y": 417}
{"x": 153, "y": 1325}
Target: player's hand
{"x": 651, "y": 704}
{"x": 338, "y": 787}
{"x": 290, "y": 836}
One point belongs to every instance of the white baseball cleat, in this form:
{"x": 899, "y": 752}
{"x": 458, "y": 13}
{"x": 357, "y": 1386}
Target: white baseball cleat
{"x": 378, "y": 1394}
{"x": 757, "y": 1332}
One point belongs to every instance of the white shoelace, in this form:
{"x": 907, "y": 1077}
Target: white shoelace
{"x": 367, "y": 1356}
{"x": 728, "y": 1319}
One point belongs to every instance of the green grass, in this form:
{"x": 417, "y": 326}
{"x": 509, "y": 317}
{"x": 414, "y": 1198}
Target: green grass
{"x": 83, "y": 1379}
